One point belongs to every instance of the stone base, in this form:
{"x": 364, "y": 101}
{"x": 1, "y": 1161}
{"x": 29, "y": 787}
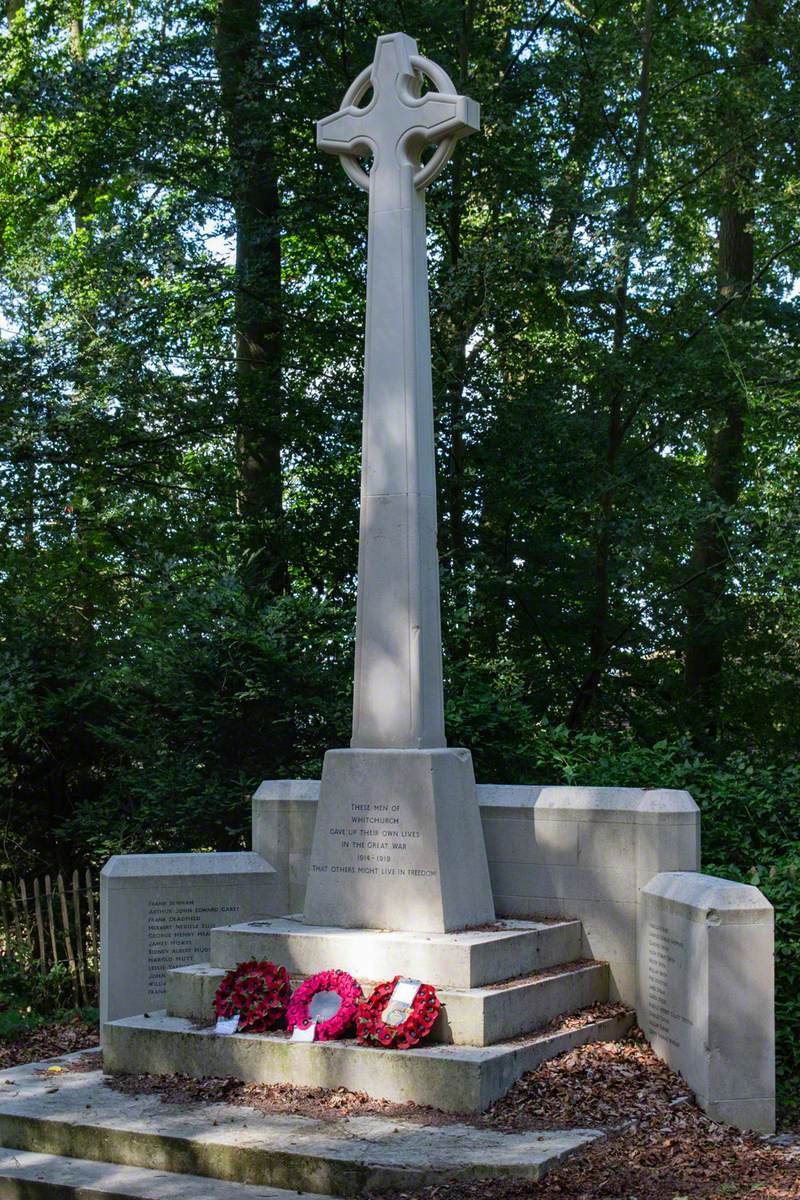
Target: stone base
{"x": 455, "y": 1079}
{"x": 398, "y": 843}
{"x": 506, "y": 950}
{"x": 497, "y": 986}
{"x": 109, "y": 1144}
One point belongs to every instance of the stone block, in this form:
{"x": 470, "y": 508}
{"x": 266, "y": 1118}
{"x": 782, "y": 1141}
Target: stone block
{"x": 666, "y": 847}
{"x": 568, "y": 884}
{"x": 609, "y": 930}
{"x": 452, "y": 1078}
{"x": 606, "y": 846}
{"x": 468, "y": 959}
{"x": 283, "y": 815}
{"x": 157, "y": 912}
{"x": 520, "y": 840}
{"x": 624, "y": 805}
{"x": 398, "y": 843}
{"x": 255, "y": 1153}
{"x": 523, "y": 908}
{"x": 706, "y": 991}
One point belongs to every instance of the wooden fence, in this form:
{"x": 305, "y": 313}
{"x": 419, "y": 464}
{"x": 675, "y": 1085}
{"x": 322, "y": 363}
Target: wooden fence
{"x": 46, "y": 922}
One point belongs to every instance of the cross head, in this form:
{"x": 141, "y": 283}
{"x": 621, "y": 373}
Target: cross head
{"x": 397, "y": 123}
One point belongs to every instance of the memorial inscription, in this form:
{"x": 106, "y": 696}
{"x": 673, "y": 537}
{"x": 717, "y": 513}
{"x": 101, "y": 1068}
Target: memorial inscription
{"x": 157, "y": 912}
{"x": 376, "y": 839}
{"x": 666, "y": 954}
{"x": 178, "y": 934}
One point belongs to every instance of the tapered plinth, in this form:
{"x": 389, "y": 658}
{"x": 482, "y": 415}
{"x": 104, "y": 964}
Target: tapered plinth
{"x": 398, "y": 843}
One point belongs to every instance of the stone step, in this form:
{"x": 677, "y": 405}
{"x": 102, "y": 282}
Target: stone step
{"x": 470, "y": 959}
{"x": 80, "y": 1117}
{"x": 469, "y": 1017}
{"x": 53, "y": 1177}
{"x": 457, "y": 1079}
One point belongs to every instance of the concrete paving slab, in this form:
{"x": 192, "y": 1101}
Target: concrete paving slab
{"x": 52, "y": 1177}
{"x": 80, "y": 1117}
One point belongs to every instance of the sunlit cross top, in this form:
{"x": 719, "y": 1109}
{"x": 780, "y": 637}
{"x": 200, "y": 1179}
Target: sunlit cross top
{"x": 398, "y": 701}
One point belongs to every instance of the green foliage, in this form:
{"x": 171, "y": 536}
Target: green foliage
{"x": 29, "y": 999}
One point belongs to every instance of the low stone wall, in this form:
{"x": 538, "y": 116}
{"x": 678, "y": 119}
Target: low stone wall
{"x": 553, "y": 851}
{"x": 706, "y": 991}
{"x": 157, "y": 912}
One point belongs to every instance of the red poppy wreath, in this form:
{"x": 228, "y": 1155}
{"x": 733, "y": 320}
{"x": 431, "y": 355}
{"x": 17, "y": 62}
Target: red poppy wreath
{"x": 330, "y": 999}
{"x": 257, "y": 992}
{"x": 403, "y": 1027}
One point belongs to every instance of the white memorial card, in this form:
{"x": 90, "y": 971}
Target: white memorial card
{"x": 400, "y": 1001}
{"x": 225, "y": 1026}
{"x": 300, "y": 1034}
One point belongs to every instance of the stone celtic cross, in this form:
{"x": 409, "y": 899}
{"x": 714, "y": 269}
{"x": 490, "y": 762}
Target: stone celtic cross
{"x": 398, "y": 841}
{"x": 398, "y": 701}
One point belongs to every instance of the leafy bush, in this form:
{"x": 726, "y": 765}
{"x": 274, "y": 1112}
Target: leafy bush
{"x": 748, "y": 804}
{"x": 29, "y": 999}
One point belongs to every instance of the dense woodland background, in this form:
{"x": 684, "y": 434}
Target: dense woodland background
{"x": 615, "y": 290}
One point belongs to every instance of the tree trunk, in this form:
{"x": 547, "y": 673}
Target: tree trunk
{"x": 600, "y": 641}
{"x": 258, "y": 310}
{"x": 586, "y": 132}
{"x": 706, "y": 616}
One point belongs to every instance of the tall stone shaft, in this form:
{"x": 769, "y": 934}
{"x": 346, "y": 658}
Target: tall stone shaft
{"x": 398, "y": 699}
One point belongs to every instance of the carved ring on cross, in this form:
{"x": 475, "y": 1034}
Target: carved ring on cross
{"x": 358, "y": 89}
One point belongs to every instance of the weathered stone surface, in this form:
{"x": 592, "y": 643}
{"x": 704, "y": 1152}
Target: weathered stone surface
{"x": 157, "y": 912}
{"x": 706, "y": 991}
{"x": 398, "y": 843}
{"x": 474, "y": 1017}
{"x": 85, "y": 1119}
{"x": 45, "y": 1176}
{"x": 453, "y": 1078}
{"x": 459, "y": 960}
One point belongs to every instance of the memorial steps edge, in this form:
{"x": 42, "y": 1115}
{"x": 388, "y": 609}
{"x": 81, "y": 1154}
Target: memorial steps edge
{"x": 467, "y": 959}
{"x": 37, "y": 1176}
{"x": 86, "y": 1140}
{"x": 455, "y": 1079}
{"x": 469, "y": 1017}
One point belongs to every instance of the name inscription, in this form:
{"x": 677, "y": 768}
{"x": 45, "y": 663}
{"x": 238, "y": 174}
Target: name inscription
{"x": 666, "y": 962}
{"x": 178, "y": 934}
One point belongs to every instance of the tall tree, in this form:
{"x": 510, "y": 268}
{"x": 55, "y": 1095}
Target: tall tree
{"x": 249, "y": 124}
{"x": 601, "y": 639}
{"x": 740, "y": 121}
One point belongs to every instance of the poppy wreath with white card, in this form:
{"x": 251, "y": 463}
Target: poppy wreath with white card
{"x": 399, "y": 1013}
{"x": 329, "y": 1001}
{"x": 258, "y": 993}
